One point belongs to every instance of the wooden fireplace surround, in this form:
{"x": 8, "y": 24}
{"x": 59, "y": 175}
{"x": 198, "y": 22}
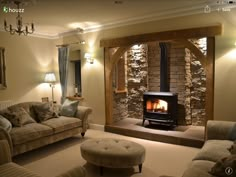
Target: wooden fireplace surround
{"x": 124, "y": 43}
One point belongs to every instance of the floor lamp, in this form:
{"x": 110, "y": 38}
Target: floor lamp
{"x": 51, "y": 79}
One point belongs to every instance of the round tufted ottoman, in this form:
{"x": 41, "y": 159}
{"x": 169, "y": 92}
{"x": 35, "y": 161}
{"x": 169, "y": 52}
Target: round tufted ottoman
{"x": 114, "y": 153}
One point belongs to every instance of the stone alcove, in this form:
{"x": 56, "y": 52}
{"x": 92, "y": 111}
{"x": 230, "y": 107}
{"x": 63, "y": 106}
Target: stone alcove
{"x": 121, "y": 45}
{"x": 138, "y": 71}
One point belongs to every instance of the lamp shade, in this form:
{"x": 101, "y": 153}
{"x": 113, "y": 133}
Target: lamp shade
{"x": 50, "y": 77}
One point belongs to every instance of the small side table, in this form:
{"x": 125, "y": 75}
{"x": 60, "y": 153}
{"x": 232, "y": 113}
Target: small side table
{"x": 75, "y": 98}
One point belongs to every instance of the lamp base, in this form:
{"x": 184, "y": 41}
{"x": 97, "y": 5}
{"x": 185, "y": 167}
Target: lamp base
{"x": 77, "y": 95}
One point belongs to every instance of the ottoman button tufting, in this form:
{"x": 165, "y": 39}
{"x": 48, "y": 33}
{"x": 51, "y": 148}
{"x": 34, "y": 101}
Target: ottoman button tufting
{"x": 127, "y": 147}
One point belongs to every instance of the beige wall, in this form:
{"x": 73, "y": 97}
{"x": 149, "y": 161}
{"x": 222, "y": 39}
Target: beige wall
{"x": 92, "y": 76}
{"x": 28, "y": 58}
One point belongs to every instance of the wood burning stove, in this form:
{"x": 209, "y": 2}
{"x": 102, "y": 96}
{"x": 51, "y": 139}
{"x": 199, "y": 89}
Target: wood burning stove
{"x": 160, "y": 107}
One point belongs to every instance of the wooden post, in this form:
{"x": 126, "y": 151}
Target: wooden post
{"x": 210, "y": 77}
{"x": 110, "y": 63}
{"x": 108, "y": 87}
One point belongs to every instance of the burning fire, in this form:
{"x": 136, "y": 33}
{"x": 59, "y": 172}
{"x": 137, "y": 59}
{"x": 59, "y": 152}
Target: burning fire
{"x": 157, "y": 106}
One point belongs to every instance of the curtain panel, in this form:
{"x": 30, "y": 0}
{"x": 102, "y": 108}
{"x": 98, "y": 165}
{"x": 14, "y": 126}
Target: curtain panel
{"x": 63, "y": 61}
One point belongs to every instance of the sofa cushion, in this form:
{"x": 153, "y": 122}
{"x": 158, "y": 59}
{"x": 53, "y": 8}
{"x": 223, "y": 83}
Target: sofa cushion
{"x": 214, "y": 150}
{"x": 199, "y": 168}
{"x": 18, "y": 116}
{"x": 223, "y": 165}
{"x": 44, "y": 112}
{"x": 69, "y": 108}
{"x": 63, "y": 123}
{"x": 5, "y": 124}
{"x": 29, "y": 132}
{"x": 14, "y": 170}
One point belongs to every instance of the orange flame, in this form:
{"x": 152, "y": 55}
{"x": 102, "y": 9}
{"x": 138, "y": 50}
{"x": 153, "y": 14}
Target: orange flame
{"x": 157, "y": 106}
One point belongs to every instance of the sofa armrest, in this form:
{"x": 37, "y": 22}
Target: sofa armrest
{"x": 5, "y": 152}
{"x": 75, "y": 172}
{"x": 4, "y": 135}
{"x": 221, "y": 130}
{"x": 82, "y": 113}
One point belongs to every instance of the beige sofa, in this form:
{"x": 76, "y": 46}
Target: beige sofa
{"x": 220, "y": 136}
{"x": 10, "y": 169}
{"x": 35, "y": 135}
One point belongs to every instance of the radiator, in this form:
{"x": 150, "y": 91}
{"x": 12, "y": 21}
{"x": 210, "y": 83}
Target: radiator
{"x": 6, "y": 104}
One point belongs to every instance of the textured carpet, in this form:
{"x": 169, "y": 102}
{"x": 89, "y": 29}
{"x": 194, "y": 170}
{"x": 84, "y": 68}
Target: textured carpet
{"x": 161, "y": 158}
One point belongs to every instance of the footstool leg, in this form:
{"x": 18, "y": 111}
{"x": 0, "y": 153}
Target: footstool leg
{"x": 101, "y": 171}
{"x": 140, "y": 168}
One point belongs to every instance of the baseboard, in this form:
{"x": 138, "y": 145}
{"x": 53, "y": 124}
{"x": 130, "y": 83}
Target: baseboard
{"x": 96, "y": 127}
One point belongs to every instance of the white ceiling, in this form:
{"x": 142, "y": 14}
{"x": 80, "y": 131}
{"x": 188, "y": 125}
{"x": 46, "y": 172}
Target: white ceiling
{"x": 57, "y": 17}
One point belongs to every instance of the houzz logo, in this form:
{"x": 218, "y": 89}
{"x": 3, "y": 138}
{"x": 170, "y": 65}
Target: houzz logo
{"x": 5, "y": 9}
{"x": 8, "y": 9}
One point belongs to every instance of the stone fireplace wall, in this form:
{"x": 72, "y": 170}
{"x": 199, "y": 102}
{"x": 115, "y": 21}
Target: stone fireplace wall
{"x": 120, "y": 101}
{"x": 137, "y": 73}
{"x": 120, "y": 106}
{"x": 129, "y": 104}
{"x": 198, "y": 89}
{"x": 176, "y": 73}
{"x": 186, "y": 77}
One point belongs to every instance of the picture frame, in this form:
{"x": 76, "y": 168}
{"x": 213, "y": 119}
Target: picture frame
{"x": 3, "y": 83}
{"x": 45, "y": 99}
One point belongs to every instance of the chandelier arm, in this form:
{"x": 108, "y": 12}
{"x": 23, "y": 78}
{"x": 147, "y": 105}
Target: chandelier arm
{"x": 30, "y": 32}
{"x": 25, "y": 33}
{"x": 13, "y": 31}
{"x": 7, "y": 28}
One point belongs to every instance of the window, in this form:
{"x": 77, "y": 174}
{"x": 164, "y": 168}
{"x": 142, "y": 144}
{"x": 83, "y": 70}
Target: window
{"x": 74, "y": 74}
{"x": 77, "y": 65}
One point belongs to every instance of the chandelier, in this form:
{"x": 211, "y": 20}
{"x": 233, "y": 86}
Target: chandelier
{"x": 19, "y": 23}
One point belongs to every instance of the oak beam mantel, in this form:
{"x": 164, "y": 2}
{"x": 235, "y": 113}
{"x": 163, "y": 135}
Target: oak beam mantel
{"x": 182, "y": 36}
{"x": 190, "y": 33}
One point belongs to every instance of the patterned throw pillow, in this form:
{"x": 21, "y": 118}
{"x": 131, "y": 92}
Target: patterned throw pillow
{"x": 225, "y": 167}
{"x": 18, "y": 117}
{"x": 69, "y": 108}
{"x": 232, "y": 149}
{"x": 44, "y": 112}
{"x": 5, "y": 124}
